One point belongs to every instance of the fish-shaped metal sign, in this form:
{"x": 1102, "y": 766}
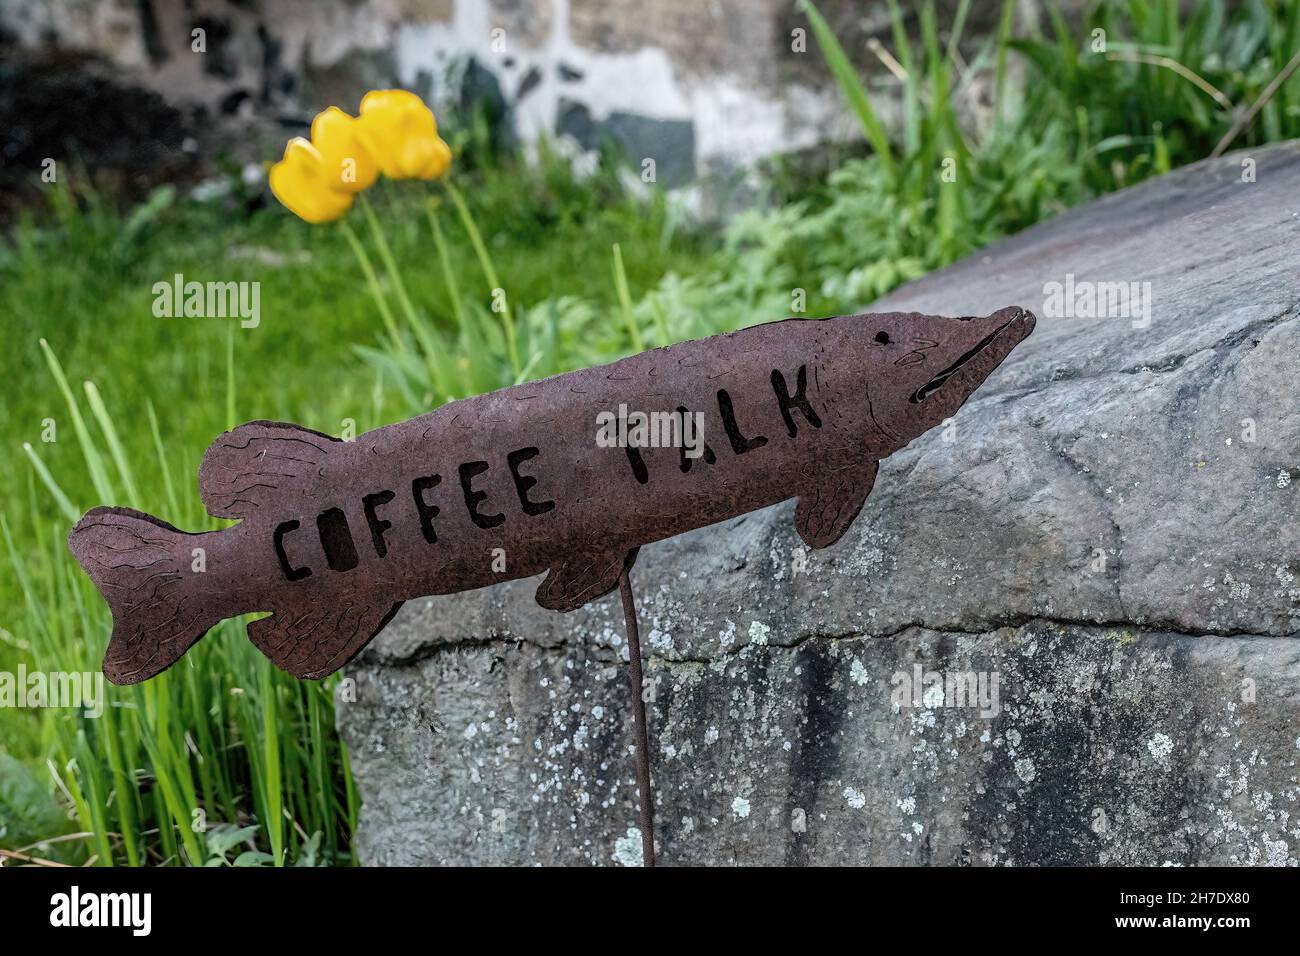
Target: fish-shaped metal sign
{"x": 568, "y": 476}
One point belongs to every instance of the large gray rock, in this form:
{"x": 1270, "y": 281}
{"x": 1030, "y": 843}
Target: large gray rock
{"x": 1104, "y": 542}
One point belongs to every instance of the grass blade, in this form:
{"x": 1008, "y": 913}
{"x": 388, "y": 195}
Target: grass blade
{"x": 851, "y": 86}
{"x": 625, "y": 301}
{"x": 70, "y": 511}
{"x": 115, "y": 449}
{"x": 94, "y": 460}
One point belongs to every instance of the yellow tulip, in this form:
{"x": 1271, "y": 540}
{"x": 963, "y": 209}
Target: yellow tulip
{"x": 348, "y": 164}
{"x": 300, "y": 182}
{"x": 402, "y": 135}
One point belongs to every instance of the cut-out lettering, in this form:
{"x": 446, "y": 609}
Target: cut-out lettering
{"x": 706, "y": 454}
{"x": 336, "y": 540}
{"x": 427, "y": 512}
{"x": 468, "y": 472}
{"x": 739, "y": 443}
{"x": 377, "y": 525}
{"x": 290, "y": 572}
{"x": 798, "y": 400}
{"x": 637, "y": 461}
{"x": 524, "y": 482}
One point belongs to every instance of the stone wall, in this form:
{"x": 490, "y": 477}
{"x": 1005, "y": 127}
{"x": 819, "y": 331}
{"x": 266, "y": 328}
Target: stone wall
{"x": 698, "y": 87}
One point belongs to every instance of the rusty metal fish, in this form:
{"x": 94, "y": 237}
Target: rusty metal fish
{"x": 333, "y": 536}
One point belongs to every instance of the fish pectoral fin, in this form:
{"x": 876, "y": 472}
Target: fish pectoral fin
{"x": 570, "y": 585}
{"x": 314, "y": 641}
{"x": 825, "y": 513}
{"x": 250, "y": 466}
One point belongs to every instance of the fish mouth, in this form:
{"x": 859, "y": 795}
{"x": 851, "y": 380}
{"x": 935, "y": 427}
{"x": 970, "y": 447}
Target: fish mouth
{"x": 1006, "y": 337}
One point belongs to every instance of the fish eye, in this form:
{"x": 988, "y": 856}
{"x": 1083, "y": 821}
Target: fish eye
{"x": 882, "y": 337}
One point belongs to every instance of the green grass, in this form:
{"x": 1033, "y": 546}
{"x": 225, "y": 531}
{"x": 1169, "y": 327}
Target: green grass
{"x": 397, "y": 311}
{"x": 224, "y": 731}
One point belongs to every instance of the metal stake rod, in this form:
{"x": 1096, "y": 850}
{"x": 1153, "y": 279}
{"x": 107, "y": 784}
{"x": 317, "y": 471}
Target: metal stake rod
{"x": 638, "y": 716}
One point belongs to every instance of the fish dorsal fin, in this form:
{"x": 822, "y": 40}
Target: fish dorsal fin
{"x": 245, "y": 467}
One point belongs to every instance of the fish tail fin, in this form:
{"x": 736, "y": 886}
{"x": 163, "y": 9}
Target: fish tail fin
{"x": 141, "y": 566}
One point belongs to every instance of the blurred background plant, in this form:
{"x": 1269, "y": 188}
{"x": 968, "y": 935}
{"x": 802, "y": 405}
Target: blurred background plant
{"x": 225, "y": 761}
